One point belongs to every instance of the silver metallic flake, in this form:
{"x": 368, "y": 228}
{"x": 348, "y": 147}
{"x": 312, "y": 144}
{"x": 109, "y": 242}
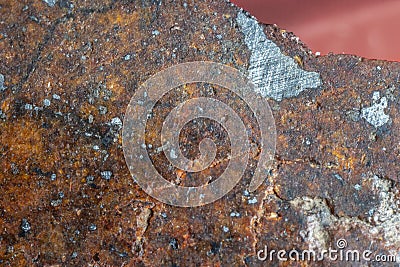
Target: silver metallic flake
{"x": 375, "y": 114}
{"x": 50, "y": 3}
{"x": 2, "y": 87}
{"x": 275, "y": 75}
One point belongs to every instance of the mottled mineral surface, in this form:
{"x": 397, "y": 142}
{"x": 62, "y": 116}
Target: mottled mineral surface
{"x": 67, "y": 72}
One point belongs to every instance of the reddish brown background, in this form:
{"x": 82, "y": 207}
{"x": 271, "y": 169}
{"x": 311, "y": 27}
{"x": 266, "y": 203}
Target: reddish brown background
{"x": 367, "y": 28}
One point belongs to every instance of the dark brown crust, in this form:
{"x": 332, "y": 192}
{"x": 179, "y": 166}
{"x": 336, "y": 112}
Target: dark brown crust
{"x": 94, "y": 55}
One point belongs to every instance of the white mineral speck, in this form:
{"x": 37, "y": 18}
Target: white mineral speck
{"x": 116, "y": 121}
{"x": 50, "y": 3}
{"x": 28, "y": 107}
{"x": 106, "y": 175}
{"x": 102, "y": 110}
{"x": 375, "y": 96}
{"x": 375, "y": 114}
{"x": 46, "y": 102}
{"x": 2, "y": 82}
{"x": 235, "y": 214}
{"x": 252, "y": 201}
{"x": 172, "y": 154}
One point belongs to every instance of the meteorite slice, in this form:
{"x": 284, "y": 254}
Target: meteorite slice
{"x": 68, "y": 70}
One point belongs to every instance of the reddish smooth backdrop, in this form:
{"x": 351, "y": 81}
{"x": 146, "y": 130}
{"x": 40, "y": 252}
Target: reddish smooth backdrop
{"x": 368, "y": 28}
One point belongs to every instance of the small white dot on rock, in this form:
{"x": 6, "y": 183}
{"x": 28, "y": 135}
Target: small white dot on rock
{"x": 50, "y": 3}
{"x": 106, "y": 175}
{"x": 172, "y": 154}
{"x": 116, "y": 121}
{"x": 235, "y": 214}
{"x": 2, "y": 82}
{"x": 252, "y": 201}
{"x": 102, "y": 110}
{"x": 46, "y": 102}
{"x": 376, "y": 96}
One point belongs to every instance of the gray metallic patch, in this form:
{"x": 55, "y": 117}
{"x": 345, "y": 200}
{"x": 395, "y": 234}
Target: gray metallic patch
{"x": 275, "y": 75}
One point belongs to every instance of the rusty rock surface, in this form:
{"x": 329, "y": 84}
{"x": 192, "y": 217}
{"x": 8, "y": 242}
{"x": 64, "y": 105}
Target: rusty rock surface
{"x": 68, "y": 70}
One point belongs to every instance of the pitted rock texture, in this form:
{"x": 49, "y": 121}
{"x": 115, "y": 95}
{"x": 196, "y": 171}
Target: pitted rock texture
{"x": 68, "y": 70}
